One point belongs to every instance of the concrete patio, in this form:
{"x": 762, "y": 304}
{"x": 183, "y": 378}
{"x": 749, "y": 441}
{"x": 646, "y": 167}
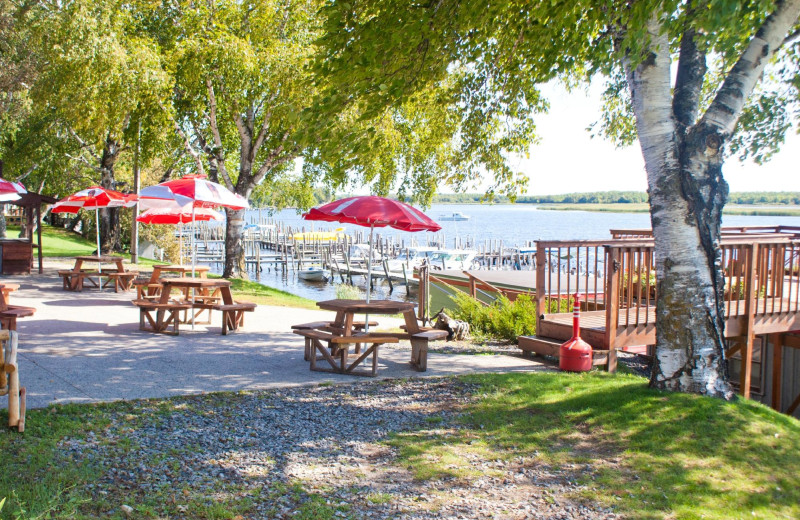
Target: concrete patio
{"x": 86, "y": 346}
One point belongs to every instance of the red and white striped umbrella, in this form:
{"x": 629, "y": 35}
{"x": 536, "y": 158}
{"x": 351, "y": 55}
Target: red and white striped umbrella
{"x": 371, "y": 211}
{"x": 176, "y": 216}
{"x": 10, "y": 190}
{"x": 95, "y": 197}
{"x": 193, "y": 191}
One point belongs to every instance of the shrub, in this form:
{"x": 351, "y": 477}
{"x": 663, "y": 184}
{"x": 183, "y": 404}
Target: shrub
{"x": 346, "y": 291}
{"x": 503, "y": 319}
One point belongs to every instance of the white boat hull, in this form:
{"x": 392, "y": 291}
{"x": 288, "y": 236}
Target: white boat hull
{"x": 311, "y": 274}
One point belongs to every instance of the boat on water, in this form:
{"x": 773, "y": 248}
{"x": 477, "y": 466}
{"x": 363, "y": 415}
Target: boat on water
{"x": 448, "y": 259}
{"x": 438, "y": 258}
{"x": 311, "y": 273}
{"x": 409, "y": 259}
{"x": 456, "y": 216}
{"x": 319, "y": 236}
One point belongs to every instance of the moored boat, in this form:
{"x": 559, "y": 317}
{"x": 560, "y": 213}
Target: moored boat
{"x": 311, "y": 273}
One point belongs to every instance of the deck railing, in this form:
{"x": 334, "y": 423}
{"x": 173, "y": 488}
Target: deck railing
{"x": 761, "y": 273}
{"x": 757, "y": 273}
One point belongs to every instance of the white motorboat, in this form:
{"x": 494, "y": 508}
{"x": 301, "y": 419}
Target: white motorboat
{"x": 311, "y": 273}
{"x": 409, "y": 259}
{"x": 459, "y": 259}
{"x": 456, "y": 216}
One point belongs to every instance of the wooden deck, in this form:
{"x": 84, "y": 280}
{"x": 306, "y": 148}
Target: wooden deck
{"x": 761, "y": 267}
{"x": 637, "y": 326}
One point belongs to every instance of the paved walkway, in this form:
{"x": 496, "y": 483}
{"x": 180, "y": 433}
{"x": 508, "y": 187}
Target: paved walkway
{"x": 86, "y": 347}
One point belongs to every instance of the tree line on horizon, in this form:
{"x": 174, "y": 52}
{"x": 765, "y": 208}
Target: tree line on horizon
{"x": 617, "y": 197}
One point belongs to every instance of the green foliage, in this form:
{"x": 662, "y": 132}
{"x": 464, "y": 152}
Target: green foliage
{"x": 346, "y": 291}
{"x": 503, "y": 319}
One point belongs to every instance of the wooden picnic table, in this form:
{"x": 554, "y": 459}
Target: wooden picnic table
{"x": 9, "y": 313}
{"x": 332, "y": 339}
{"x": 200, "y": 294}
{"x": 152, "y": 287}
{"x": 114, "y": 270}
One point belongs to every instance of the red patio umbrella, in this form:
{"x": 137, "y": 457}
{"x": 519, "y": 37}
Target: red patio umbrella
{"x": 171, "y": 216}
{"x": 10, "y": 190}
{"x": 191, "y": 191}
{"x": 95, "y": 197}
{"x": 372, "y": 211}
{"x": 176, "y": 216}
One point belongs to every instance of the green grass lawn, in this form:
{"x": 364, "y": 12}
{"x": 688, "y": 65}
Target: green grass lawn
{"x": 652, "y": 454}
{"x": 59, "y": 242}
{"x": 647, "y": 454}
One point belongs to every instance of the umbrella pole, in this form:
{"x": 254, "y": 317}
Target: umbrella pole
{"x": 193, "y": 313}
{"x": 180, "y": 242}
{"x": 369, "y": 277}
{"x": 97, "y": 225}
{"x": 192, "y": 242}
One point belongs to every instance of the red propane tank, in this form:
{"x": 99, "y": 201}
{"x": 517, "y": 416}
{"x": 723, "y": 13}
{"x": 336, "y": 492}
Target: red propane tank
{"x": 575, "y": 355}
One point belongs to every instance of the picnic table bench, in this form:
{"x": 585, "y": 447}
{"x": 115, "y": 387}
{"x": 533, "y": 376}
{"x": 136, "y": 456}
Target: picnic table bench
{"x": 207, "y": 294}
{"x": 336, "y": 350}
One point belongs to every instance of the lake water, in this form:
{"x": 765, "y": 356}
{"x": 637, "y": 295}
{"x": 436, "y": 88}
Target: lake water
{"x": 514, "y": 225}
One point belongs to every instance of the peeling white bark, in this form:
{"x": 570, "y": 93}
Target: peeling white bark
{"x": 687, "y": 193}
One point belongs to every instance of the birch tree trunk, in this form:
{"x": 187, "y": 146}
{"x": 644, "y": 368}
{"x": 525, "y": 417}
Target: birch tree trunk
{"x": 683, "y": 158}
{"x": 235, "y": 265}
{"x": 110, "y": 236}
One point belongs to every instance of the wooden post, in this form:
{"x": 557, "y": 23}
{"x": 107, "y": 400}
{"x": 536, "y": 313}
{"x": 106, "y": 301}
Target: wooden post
{"x": 612, "y": 304}
{"x": 386, "y": 271}
{"x": 751, "y": 293}
{"x": 541, "y": 262}
{"x": 39, "y": 234}
{"x": 777, "y": 369}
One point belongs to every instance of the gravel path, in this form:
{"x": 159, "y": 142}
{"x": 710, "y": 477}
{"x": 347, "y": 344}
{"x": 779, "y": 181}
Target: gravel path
{"x": 273, "y": 454}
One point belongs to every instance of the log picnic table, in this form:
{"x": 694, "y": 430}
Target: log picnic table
{"x": 333, "y": 339}
{"x": 206, "y": 294}
{"x": 75, "y": 278}
{"x": 9, "y": 313}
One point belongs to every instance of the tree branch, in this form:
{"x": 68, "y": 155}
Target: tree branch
{"x": 689, "y": 82}
{"x": 187, "y": 146}
{"x": 727, "y": 106}
{"x": 83, "y": 144}
{"x": 275, "y": 159}
{"x": 216, "y": 154}
{"x": 262, "y": 133}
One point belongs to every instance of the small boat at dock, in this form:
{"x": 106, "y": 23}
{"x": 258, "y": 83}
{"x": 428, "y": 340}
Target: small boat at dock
{"x": 311, "y": 273}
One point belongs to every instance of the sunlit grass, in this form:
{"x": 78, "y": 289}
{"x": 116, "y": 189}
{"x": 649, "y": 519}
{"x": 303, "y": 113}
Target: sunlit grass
{"x": 647, "y": 454}
{"x": 654, "y": 455}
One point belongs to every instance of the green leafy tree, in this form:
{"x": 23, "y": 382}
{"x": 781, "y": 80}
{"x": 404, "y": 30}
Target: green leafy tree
{"x": 245, "y": 108}
{"x": 685, "y": 79}
{"x": 101, "y": 92}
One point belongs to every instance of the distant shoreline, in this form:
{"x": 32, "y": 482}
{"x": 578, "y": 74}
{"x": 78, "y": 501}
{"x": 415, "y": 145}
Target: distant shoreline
{"x": 740, "y": 209}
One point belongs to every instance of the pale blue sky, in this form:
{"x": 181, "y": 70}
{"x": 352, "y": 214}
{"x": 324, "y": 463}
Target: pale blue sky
{"x": 568, "y": 160}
